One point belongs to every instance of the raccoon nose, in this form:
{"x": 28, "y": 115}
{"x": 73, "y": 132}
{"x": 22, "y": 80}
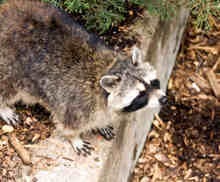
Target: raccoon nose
{"x": 155, "y": 84}
{"x": 163, "y": 100}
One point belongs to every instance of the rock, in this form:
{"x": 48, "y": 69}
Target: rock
{"x": 7, "y": 129}
{"x": 145, "y": 179}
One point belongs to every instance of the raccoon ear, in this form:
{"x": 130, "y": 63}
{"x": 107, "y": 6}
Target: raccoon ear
{"x": 136, "y": 56}
{"x": 109, "y": 82}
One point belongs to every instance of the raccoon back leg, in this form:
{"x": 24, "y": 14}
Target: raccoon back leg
{"x": 80, "y": 146}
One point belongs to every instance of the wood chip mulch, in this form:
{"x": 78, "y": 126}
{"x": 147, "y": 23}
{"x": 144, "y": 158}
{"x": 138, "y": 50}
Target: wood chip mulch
{"x": 184, "y": 143}
{"x": 35, "y": 126}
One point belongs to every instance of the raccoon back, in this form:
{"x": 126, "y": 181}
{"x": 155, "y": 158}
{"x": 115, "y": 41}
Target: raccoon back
{"x": 44, "y": 51}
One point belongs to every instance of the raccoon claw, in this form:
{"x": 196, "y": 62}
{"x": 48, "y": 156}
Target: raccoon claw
{"x": 82, "y": 147}
{"x": 8, "y": 115}
{"x": 107, "y": 132}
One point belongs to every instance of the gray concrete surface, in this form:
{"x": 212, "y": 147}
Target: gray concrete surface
{"x": 160, "y": 42}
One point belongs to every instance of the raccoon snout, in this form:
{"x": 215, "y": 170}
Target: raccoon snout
{"x": 163, "y": 100}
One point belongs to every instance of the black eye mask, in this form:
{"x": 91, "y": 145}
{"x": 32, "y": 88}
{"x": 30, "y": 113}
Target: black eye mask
{"x": 140, "y": 101}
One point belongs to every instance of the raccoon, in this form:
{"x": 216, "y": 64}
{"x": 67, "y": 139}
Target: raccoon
{"x": 46, "y": 58}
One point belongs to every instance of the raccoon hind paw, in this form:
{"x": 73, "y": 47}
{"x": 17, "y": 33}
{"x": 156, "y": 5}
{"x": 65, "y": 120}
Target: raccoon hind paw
{"x": 9, "y": 116}
{"x": 81, "y": 147}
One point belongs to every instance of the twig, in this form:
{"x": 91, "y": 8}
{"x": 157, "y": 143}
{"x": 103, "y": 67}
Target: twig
{"x": 214, "y": 83}
{"x": 22, "y": 152}
{"x": 216, "y": 65}
{"x": 213, "y": 50}
{"x": 159, "y": 120}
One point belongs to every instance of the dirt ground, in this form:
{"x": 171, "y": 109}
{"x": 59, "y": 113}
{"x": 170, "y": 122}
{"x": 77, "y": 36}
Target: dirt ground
{"x": 35, "y": 126}
{"x": 184, "y": 143}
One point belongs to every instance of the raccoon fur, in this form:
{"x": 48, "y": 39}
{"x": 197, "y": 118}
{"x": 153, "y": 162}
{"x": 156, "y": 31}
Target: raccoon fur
{"x": 46, "y": 58}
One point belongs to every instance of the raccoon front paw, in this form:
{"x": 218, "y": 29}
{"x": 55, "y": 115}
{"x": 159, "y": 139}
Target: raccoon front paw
{"x": 107, "y": 132}
{"x": 9, "y": 116}
{"x": 82, "y": 147}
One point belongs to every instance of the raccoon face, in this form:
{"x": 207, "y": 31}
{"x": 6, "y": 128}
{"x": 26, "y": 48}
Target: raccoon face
{"x": 132, "y": 84}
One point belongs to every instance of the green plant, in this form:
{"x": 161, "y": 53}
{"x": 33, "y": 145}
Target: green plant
{"x": 165, "y": 9}
{"x": 137, "y": 2}
{"x": 76, "y": 6}
{"x": 98, "y": 15}
{"x": 201, "y": 10}
{"x": 102, "y": 15}
{"x": 54, "y": 2}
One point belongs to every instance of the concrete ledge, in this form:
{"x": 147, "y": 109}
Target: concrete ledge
{"x": 55, "y": 160}
{"x": 160, "y": 47}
